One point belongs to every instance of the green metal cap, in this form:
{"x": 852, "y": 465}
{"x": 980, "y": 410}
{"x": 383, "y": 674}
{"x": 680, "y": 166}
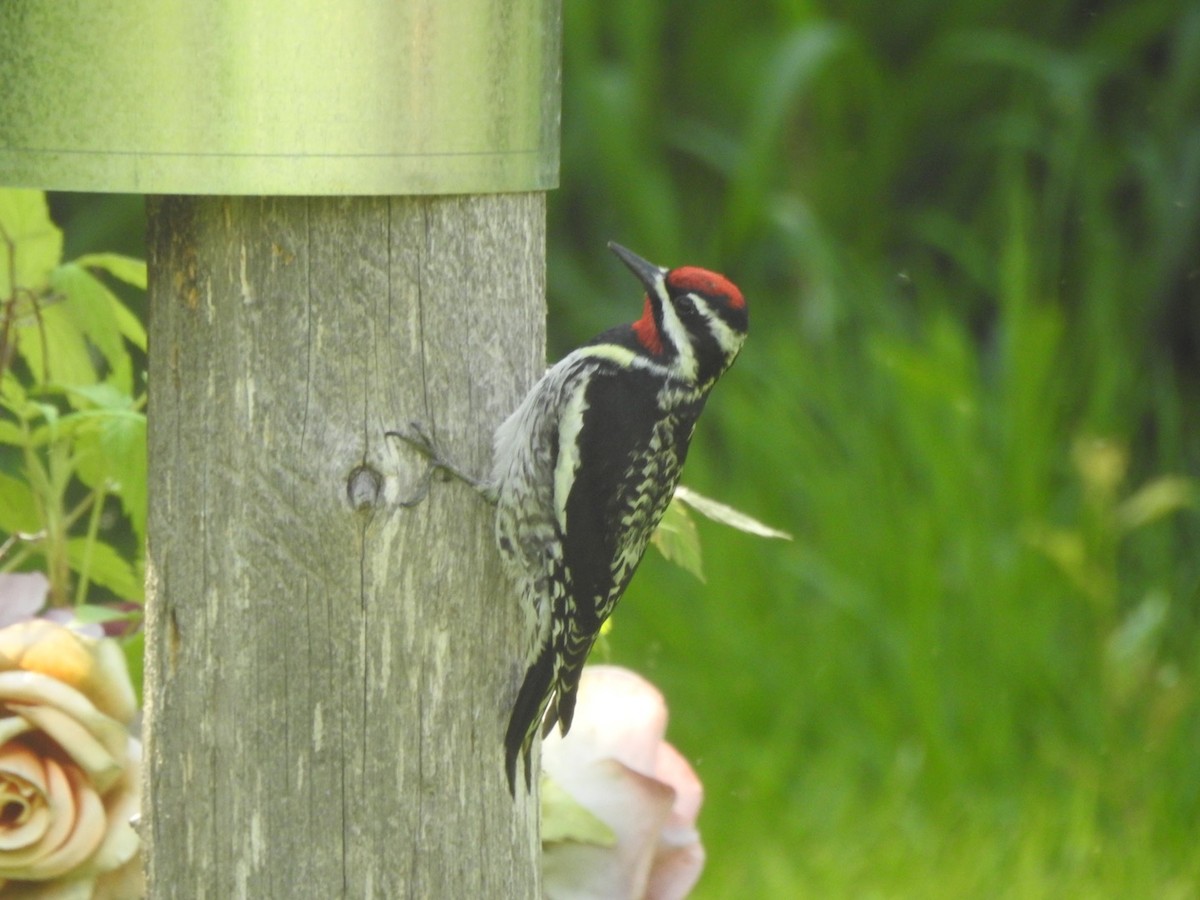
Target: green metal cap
{"x": 274, "y": 97}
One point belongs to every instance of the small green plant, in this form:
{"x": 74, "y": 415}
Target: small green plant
{"x": 72, "y": 420}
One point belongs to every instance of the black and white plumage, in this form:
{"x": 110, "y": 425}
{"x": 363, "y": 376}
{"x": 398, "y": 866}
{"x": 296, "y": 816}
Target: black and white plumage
{"x": 585, "y": 467}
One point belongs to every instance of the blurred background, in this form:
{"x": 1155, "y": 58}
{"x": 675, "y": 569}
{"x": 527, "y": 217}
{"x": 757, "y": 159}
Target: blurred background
{"x": 969, "y": 236}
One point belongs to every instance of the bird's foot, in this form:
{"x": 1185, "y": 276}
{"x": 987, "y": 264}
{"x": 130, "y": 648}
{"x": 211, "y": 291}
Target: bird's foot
{"x": 417, "y": 437}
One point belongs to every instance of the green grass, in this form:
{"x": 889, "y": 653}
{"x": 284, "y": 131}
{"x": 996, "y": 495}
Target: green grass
{"x": 968, "y": 234}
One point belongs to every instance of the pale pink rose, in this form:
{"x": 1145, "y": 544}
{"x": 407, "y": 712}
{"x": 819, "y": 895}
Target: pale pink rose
{"x": 68, "y": 766}
{"x": 619, "y": 803}
{"x": 22, "y": 595}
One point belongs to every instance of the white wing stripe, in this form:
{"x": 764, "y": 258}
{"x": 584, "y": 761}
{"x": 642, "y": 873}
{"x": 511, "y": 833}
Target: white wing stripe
{"x": 569, "y": 425}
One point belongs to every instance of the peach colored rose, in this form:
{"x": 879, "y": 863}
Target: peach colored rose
{"x": 619, "y": 803}
{"x": 68, "y": 766}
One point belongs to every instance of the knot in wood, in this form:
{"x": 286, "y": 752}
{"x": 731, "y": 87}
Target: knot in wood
{"x": 364, "y": 487}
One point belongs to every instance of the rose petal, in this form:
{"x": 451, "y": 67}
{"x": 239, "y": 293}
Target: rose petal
{"x": 96, "y": 668}
{"x": 67, "y": 767}
{"x": 675, "y": 872}
{"x": 66, "y": 617}
{"x": 76, "y": 889}
{"x": 615, "y": 764}
{"x": 619, "y": 715}
{"x": 62, "y": 808}
{"x": 19, "y": 760}
{"x": 22, "y": 783}
{"x": 77, "y": 851}
{"x": 85, "y": 826}
{"x": 680, "y": 857}
{"x": 47, "y": 647}
{"x": 75, "y": 740}
{"x": 635, "y": 807}
{"x": 12, "y": 727}
{"x": 33, "y": 829}
{"x": 31, "y": 688}
{"x": 671, "y": 768}
{"x": 22, "y": 594}
{"x": 109, "y": 686}
{"x": 121, "y": 842}
{"x": 59, "y": 800}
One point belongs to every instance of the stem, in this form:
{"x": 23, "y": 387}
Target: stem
{"x": 85, "y": 565}
{"x": 14, "y": 562}
{"x": 49, "y": 484}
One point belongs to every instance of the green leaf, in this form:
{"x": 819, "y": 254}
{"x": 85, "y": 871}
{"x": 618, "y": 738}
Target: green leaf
{"x": 125, "y": 268}
{"x": 565, "y": 819}
{"x": 90, "y": 305}
{"x": 54, "y": 347}
{"x": 678, "y": 540}
{"x": 112, "y": 453}
{"x": 10, "y": 433}
{"x": 36, "y": 240}
{"x": 1156, "y": 499}
{"x": 12, "y": 392}
{"x": 726, "y": 515}
{"x": 131, "y": 271}
{"x": 105, "y": 397}
{"x": 15, "y": 400}
{"x": 18, "y": 507}
{"x": 93, "y": 613}
{"x": 105, "y": 567}
{"x": 128, "y": 324}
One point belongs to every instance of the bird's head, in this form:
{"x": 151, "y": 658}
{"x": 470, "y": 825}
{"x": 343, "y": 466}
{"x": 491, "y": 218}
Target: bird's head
{"x": 694, "y": 320}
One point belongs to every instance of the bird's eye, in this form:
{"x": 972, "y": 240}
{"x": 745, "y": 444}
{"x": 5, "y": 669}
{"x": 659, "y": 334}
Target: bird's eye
{"x": 685, "y": 305}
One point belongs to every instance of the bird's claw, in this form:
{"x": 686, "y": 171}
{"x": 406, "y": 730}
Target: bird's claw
{"x": 422, "y": 489}
{"x": 418, "y": 438}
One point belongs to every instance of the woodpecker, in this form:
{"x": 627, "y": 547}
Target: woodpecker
{"x": 585, "y": 467}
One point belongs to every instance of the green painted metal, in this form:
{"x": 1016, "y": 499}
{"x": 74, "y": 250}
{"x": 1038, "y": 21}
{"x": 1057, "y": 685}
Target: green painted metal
{"x": 280, "y": 96}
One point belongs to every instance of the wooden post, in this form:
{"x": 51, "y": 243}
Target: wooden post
{"x": 329, "y": 674}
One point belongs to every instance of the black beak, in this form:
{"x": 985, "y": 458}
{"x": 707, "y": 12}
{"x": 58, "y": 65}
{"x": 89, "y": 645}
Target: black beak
{"x": 647, "y": 272}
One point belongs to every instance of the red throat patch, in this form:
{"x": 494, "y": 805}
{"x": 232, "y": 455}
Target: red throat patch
{"x": 646, "y": 330}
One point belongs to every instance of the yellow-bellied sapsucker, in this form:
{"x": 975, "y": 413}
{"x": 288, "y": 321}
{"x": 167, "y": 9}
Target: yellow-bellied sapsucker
{"x": 585, "y": 467}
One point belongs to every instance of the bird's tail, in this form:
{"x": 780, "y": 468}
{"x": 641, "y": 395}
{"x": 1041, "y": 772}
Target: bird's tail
{"x": 572, "y": 655}
{"x": 527, "y": 713}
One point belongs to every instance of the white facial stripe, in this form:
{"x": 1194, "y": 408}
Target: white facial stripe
{"x": 622, "y": 356}
{"x": 677, "y": 334}
{"x": 660, "y": 283}
{"x": 729, "y": 340}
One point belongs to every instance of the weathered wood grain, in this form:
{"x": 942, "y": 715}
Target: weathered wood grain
{"x": 329, "y": 674}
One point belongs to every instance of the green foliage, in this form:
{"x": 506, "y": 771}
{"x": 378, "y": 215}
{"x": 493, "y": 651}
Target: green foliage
{"x": 678, "y": 538}
{"x": 565, "y": 819}
{"x": 72, "y": 429}
{"x": 968, "y": 237}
